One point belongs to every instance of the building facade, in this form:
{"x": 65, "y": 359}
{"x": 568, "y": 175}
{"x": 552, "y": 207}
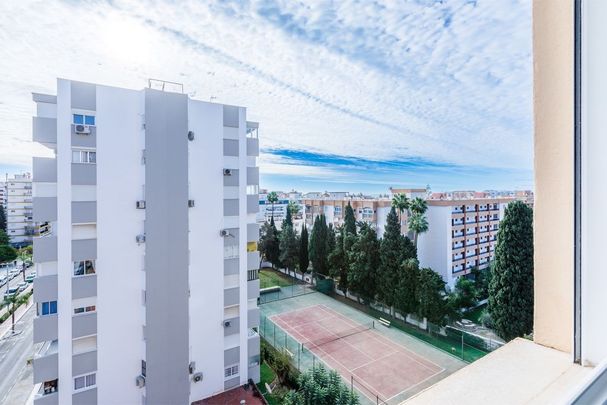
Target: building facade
{"x": 462, "y": 234}
{"x": 147, "y": 273}
{"x": 19, "y": 223}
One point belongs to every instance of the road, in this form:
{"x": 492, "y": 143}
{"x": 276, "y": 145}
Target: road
{"x": 15, "y": 374}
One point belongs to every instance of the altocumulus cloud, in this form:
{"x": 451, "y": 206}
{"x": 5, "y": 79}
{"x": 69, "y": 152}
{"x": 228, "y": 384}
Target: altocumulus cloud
{"x": 443, "y": 86}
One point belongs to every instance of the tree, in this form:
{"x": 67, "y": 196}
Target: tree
{"x": 288, "y": 221}
{"x": 338, "y": 262}
{"x": 405, "y": 299}
{"x": 482, "y": 278}
{"x": 363, "y": 260}
{"x": 12, "y": 300}
{"x": 318, "y": 246}
{"x": 269, "y": 244}
{"x": 7, "y": 253}
{"x": 321, "y": 387}
{"x": 511, "y": 286}
{"x": 293, "y": 208}
{"x": 401, "y": 203}
{"x": 391, "y": 257}
{"x": 431, "y": 296}
{"x": 25, "y": 256}
{"x": 289, "y": 248}
{"x": 350, "y": 220}
{"x": 464, "y": 295}
{"x": 2, "y": 218}
{"x": 272, "y": 198}
{"x": 417, "y": 224}
{"x": 4, "y": 239}
{"x": 304, "y": 257}
{"x": 418, "y": 205}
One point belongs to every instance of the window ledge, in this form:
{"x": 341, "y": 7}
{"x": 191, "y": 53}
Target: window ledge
{"x": 520, "y": 372}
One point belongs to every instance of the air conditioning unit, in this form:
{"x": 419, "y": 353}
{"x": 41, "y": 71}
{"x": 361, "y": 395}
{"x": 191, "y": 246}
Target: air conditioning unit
{"x": 224, "y": 233}
{"x": 140, "y": 381}
{"x": 192, "y": 367}
{"x": 191, "y": 203}
{"x": 191, "y": 135}
{"x": 141, "y": 204}
{"x": 140, "y": 238}
{"x": 227, "y": 324}
{"x": 197, "y": 377}
{"x": 82, "y": 129}
{"x": 227, "y": 172}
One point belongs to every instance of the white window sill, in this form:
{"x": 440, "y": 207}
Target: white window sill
{"x": 521, "y": 372}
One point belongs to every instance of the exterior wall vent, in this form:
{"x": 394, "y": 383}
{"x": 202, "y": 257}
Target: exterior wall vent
{"x": 141, "y": 204}
{"x": 197, "y": 377}
{"x": 191, "y": 203}
{"x": 140, "y": 238}
{"x": 190, "y": 135}
{"x": 140, "y": 381}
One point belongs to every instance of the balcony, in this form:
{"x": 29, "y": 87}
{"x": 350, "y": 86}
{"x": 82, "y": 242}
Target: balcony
{"x": 253, "y": 289}
{"x": 83, "y": 363}
{"x": 45, "y": 288}
{"x": 44, "y": 170}
{"x": 84, "y": 286}
{"x": 45, "y": 363}
{"x": 252, "y": 275}
{"x": 44, "y": 131}
{"x": 48, "y": 393}
{"x": 84, "y": 325}
{"x": 45, "y": 328}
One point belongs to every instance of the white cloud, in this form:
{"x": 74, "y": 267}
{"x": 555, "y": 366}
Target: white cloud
{"x": 444, "y": 81}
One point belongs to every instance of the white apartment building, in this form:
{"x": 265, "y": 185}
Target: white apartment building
{"x": 147, "y": 277}
{"x": 3, "y": 193}
{"x": 279, "y": 209}
{"x": 462, "y": 234}
{"x": 19, "y": 224}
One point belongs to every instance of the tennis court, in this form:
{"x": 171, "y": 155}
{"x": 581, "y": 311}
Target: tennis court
{"x": 377, "y": 366}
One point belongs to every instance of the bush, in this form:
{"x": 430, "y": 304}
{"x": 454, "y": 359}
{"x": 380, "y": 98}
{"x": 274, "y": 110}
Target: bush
{"x": 485, "y": 319}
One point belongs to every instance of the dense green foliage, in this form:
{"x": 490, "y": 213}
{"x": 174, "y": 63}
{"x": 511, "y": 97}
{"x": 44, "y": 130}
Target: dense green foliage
{"x": 350, "y": 220}
{"x": 431, "y": 294}
{"x": 391, "y": 257}
{"x": 321, "y": 387}
{"x": 288, "y": 221}
{"x": 304, "y": 257}
{"x": 511, "y": 286}
{"x": 319, "y": 246}
{"x": 405, "y": 299}
{"x": 2, "y": 218}
{"x": 289, "y": 247}
{"x": 268, "y": 246}
{"x": 363, "y": 258}
{"x": 7, "y": 252}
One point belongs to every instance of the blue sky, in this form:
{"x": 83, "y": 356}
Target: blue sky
{"x": 350, "y": 95}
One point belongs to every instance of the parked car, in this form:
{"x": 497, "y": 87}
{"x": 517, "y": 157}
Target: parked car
{"x": 13, "y": 273}
{"x": 11, "y": 292}
{"x": 2, "y": 280}
{"x": 30, "y": 278}
{"x": 22, "y": 286}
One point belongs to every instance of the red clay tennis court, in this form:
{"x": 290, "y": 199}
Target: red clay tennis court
{"x": 379, "y": 367}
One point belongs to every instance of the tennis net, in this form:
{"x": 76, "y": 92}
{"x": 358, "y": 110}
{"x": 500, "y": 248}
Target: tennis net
{"x": 310, "y": 344}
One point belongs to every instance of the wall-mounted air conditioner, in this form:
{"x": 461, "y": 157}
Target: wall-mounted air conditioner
{"x": 227, "y": 172}
{"x": 191, "y": 135}
{"x": 227, "y": 324}
{"x": 224, "y": 233}
{"x": 82, "y": 129}
{"x": 197, "y": 377}
{"x": 191, "y": 203}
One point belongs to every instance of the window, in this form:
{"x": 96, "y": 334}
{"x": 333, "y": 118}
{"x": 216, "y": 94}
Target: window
{"x": 85, "y": 381}
{"x": 231, "y": 371}
{"x": 49, "y": 308}
{"x": 143, "y": 368}
{"x": 84, "y": 156}
{"x": 83, "y": 119}
{"x": 84, "y": 268}
{"x": 82, "y": 310}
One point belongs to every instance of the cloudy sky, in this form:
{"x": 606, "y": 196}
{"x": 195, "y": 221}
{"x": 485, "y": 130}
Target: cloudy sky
{"x": 350, "y": 95}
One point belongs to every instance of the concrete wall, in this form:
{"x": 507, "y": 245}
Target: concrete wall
{"x": 553, "y": 144}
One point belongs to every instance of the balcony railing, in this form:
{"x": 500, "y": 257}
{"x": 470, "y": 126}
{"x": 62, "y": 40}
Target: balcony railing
{"x": 252, "y": 275}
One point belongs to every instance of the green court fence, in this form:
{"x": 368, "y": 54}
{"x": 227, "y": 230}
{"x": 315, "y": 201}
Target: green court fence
{"x": 280, "y": 293}
{"x": 303, "y": 359}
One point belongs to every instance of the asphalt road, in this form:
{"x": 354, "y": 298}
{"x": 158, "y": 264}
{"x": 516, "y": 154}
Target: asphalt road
{"x": 15, "y": 350}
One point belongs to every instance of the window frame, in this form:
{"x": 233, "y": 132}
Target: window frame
{"x": 231, "y": 374}
{"x": 85, "y": 378}
{"x": 84, "y": 268}
{"x": 82, "y": 152}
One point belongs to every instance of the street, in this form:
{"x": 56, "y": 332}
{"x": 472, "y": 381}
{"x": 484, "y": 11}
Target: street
{"x": 16, "y": 375}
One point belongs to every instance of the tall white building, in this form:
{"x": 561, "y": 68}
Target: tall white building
{"x": 147, "y": 279}
{"x": 462, "y": 234}
{"x": 19, "y": 225}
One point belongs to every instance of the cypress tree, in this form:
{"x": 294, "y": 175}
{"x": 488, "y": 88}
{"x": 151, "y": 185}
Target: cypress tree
{"x": 363, "y": 263}
{"x": 350, "y": 220}
{"x": 338, "y": 260}
{"x": 511, "y": 285}
{"x": 288, "y": 221}
{"x": 2, "y": 219}
{"x": 405, "y": 299}
{"x": 391, "y": 257}
{"x": 289, "y": 248}
{"x": 304, "y": 258}
{"x": 431, "y": 296}
{"x": 273, "y": 245}
{"x": 319, "y": 246}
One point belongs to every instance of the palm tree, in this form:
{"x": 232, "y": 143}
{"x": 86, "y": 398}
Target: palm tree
{"x": 272, "y": 199}
{"x": 418, "y": 205}
{"x": 418, "y": 224}
{"x": 24, "y": 256}
{"x": 13, "y": 301}
{"x": 401, "y": 203}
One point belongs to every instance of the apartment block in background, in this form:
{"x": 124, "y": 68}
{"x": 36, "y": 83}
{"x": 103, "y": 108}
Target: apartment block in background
{"x": 147, "y": 271}
{"x": 462, "y": 234}
{"x": 19, "y": 224}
